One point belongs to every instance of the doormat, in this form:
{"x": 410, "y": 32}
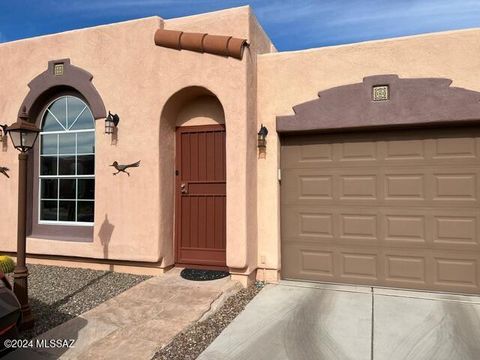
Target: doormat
{"x": 203, "y": 275}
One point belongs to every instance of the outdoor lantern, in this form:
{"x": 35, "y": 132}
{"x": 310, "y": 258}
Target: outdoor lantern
{"x": 111, "y": 122}
{"x": 23, "y": 134}
{"x": 262, "y": 135}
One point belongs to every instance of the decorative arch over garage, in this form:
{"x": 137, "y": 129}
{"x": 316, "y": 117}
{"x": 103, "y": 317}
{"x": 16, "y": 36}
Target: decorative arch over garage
{"x": 395, "y": 206}
{"x": 409, "y": 102}
{"x": 60, "y": 76}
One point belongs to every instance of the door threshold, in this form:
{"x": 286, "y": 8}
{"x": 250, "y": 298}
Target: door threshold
{"x": 201, "y": 267}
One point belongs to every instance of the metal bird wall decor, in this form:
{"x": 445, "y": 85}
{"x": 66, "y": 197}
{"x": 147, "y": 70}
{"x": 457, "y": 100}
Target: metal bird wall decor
{"x": 123, "y": 168}
{"x": 3, "y": 170}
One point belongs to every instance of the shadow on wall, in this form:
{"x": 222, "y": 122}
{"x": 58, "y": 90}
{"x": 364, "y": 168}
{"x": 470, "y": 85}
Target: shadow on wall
{"x": 114, "y": 139}
{"x": 105, "y": 235}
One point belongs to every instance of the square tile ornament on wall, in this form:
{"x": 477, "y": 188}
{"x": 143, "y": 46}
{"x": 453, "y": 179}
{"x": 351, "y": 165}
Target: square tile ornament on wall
{"x": 58, "y": 69}
{"x": 380, "y": 93}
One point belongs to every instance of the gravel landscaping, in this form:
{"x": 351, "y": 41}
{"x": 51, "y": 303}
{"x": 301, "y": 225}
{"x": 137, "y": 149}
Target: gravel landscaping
{"x": 58, "y": 294}
{"x": 189, "y": 344}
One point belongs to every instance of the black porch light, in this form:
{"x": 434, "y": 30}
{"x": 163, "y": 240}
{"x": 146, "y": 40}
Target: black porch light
{"x": 23, "y": 135}
{"x": 111, "y": 122}
{"x": 262, "y": 136}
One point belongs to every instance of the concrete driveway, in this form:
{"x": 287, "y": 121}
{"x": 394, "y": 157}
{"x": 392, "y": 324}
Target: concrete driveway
{"x": 297, "y": 321}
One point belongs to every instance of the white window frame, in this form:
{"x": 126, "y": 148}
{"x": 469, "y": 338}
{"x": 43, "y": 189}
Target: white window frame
{"x": 57, "y": 155}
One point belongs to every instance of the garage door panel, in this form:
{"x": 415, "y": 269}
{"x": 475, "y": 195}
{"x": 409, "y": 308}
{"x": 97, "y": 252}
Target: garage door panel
{"x": 454, "y": 272}
{"x": 456, "y": 230}
{"x": 405, "y": 150}
{"x": 355, "y": 265}
{"x": 359, "y": 186}
{"x": 306, "y": 224}
{"x": 458, "y": 186}
{"x": 306, "y": 261}
{"x": 306, "y": 186}
{"x": 405, "y": 229}
{"x": 455, "y": 148}
{"x": 357, "y": 151}
{"x": 358, "y": 227}
{"x": 312, "y": 153}
{"x": 309, "y": 155}
{"x": 383, "y": 210}
{"x": 404, "y": 186}
{"x": 406, "y": 270}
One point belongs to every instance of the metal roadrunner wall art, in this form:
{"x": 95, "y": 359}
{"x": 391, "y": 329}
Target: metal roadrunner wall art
{"x": 123, "y": 168}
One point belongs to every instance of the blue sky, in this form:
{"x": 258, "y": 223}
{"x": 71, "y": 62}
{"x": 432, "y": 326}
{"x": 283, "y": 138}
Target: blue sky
{"x": 291, "y": 24}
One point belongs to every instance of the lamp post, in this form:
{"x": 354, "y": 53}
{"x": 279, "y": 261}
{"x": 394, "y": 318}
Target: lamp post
{"x": 23, "y": 135}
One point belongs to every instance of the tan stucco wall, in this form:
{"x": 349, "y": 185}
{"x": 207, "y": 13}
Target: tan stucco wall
{"x": 291, "y": 78}
{"x": 204, "y": 110}
{"x": 234, "y": 84}
{"x": 135, "y": 78}
{"x": 123, "y": 86}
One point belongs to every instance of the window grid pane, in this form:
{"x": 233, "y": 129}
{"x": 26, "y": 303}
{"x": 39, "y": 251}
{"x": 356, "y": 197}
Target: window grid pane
{"x": 67, "y": 180}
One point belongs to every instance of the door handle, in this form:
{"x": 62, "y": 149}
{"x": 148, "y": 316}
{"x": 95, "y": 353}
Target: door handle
{"x": 183, "y": 188}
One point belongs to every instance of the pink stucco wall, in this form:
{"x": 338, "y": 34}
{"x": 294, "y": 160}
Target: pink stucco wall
{"x": 154, "y": 89}
{"x": 135, "y": 78}
{"x": 291, "y": 78}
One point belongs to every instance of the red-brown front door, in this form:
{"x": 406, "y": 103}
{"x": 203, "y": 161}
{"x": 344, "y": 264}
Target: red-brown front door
{"x": 200, "y": 196}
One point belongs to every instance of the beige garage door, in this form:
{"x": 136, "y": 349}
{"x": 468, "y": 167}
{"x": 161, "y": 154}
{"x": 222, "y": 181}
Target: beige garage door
{"x": 394, "y": 209}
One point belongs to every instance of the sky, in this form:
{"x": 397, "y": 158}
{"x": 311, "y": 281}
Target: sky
{"x": 291, "y": 24}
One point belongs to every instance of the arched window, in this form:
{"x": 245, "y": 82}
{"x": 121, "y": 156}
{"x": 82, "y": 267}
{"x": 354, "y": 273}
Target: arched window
{"x": 67, "y": 163}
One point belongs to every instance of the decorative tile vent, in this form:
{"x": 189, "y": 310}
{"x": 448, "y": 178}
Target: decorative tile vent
{"x": 58, "y": 69}
{"x": 380, "y": 93}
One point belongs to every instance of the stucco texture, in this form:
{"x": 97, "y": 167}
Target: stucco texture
{"x": 291, "y": 78}
{"x": 134, "y": 215}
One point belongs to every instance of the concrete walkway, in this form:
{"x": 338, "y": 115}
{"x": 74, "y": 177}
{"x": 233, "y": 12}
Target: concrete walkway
{"x": 299, "y": 321}
{"x": 136, "y": 323}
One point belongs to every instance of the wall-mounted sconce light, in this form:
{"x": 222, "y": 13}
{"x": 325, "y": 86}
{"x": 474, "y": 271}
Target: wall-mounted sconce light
{"x": 262, "y": 136}
{"x": 3, "y": 133}
{"x": 111, "y": 122}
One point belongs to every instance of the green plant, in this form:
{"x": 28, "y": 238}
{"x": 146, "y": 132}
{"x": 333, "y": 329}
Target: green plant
{"x": 6, "y": 264}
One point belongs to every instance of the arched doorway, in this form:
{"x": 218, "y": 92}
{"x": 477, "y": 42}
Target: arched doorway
{"x": 197, "y": 118}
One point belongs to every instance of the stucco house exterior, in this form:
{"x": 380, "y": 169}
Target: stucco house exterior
{"x": 370, "y": 173}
